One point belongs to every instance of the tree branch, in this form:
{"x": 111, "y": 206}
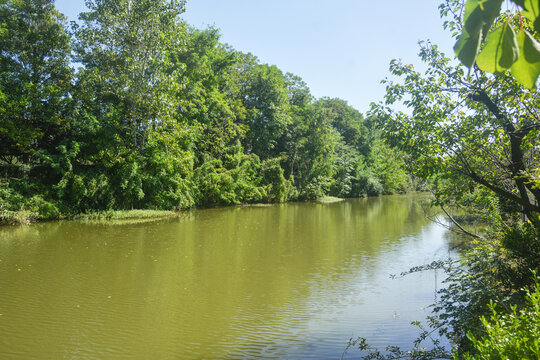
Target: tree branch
{"x": 517, "y": 166}
{"x": 458, "y": 225}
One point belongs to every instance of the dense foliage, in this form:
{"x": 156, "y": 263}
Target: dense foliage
{"x": 159, "y": 115}
{"x": 510, "y": 335}
{"x": 474, "y": 138}
{"x": 132, "y": 108}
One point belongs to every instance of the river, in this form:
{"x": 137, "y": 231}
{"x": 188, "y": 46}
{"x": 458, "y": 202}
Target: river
{"x": 292, "y": 281}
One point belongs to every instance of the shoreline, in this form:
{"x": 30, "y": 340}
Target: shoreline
{"x": 25, "y": 217}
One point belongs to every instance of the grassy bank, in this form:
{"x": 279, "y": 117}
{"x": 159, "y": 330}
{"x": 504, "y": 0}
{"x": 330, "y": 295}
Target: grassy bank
{"x": 26, "y": 217}
{"x": 20, "y": 217}
{"x": 328, "y": 199}
{"x": 124, "y": 214}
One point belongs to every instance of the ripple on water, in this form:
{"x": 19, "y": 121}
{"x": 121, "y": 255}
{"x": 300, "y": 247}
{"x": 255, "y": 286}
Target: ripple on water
{"x": 291, "y": 281}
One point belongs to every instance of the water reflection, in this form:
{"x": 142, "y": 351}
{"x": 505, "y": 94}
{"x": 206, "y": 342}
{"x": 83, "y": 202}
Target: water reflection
{"x": 291, "y": 280}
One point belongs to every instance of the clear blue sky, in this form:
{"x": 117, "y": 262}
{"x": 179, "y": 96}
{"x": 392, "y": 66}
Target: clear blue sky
{"x": 341, "y": 48}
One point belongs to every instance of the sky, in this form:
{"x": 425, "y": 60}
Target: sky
{"x": 340, "y": 48}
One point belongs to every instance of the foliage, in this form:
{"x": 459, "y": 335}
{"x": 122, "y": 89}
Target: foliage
{"x": 488, "y": 272}
{"x": 368, "y": 184}
{"x": 349, "y": 123}
{"x": 159, "y": 115}
{"x": 488, "y": 275}
{"x": 346, "y": 166}
{"x": 19, "y": 206}
{"x": 266, "y": 99}
{"x": 503, "y": 49}
{"x": 35, "y": 80}
{"x": 513, "y": 335}
{"x": 128, "y": 76}
{"x": 389, "y": 165}
{"x": 473, "y": 139}
{"x": 457, "y": 123}
{"x": 418, "y": 352}
{"x": 276, "y": 187}
{"x": 234, "y": 179}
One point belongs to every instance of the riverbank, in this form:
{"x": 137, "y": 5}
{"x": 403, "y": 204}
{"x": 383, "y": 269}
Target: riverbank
{"x": 25, "y": 217}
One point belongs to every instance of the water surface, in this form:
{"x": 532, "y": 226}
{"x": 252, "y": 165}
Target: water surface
{"x": 291, "y": 281}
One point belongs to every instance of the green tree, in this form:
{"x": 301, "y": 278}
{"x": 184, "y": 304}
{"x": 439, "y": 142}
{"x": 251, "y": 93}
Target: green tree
{"x": 266, "y": 100}
{"x": 161, "y": 115}
{"x": 210, "y": 99}
{"x": 514, "y": 335}
{"x": 349, "y": 123}
{"x": 481, "y": 129}
{"x": 124, "y": 47}
{"x": 293, "y": 138}
{"x": 474, "y": 138}
{"x": 35, "y": 79}
{"x": 388, "y": 166}
{"x": 131, "y": 131}
{"x": 316, "y": 156}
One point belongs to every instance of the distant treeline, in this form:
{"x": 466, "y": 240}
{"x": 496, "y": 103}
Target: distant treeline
{"x": 133, "y": 108}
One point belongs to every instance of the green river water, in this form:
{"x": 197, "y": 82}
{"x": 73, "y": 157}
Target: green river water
{"x": 286, "y": 281}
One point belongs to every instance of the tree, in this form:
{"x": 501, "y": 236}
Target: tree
{"x": 482, "y": 129}
{"x": 130, "y": 128}
{"x": 349, "y": 123}
{"x": 474, "y": 137}
{"x": 125, "y": 47}
{"x": 266, "y": 100}
{"x": 210, "y": 99}
{"x": 316, "y": 154}
{"x": 35, "y": 79}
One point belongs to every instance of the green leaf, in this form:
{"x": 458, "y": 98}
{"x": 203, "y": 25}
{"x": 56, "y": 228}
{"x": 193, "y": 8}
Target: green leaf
{"x": 527, "y": 68}
{"x": 478, "y": 18}
{"x": 473, "y": 17}
{"x": 532, "y": 12}
{"x": 466, "y": 49}
{"x": 480, "y": 15}
{"x": 501, "y": 50}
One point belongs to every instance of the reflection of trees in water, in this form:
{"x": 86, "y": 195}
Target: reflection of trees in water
{"x": 212, "y": 277}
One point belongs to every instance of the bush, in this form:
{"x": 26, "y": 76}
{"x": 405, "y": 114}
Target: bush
{"x": 20, "y": 217}
{"x": 278, "y": 189}
{"x": 515, "y": 335}
{"x": 18, "y": 205}
{"x": 44, "y": 210}
{"x": 89, "y": 190}
{"x": 235, "y": 180}
{"x": 368, "y": 184}
{"x": 316, "y": 188}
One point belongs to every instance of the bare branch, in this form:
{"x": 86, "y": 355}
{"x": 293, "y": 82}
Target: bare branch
{"x": 458, "y": 225}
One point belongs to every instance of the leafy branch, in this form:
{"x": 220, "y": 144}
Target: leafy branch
{"x": 507, "y": 46}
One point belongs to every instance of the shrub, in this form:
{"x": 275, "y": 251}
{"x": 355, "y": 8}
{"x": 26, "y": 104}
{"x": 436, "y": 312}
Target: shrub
{"x": 44, "y": 210}
{"x": 515, "y": 335}
{"x": 316, "y": 188}
{"x": 368, "y": 184}
{"x": 278, "y": 189}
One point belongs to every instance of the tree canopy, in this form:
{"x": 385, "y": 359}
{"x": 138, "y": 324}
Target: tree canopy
{"x": 133, "y": 108}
